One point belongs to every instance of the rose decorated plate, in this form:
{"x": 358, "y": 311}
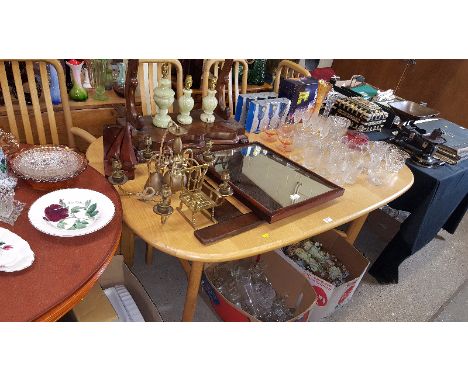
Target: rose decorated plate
{"x": 71, "y": 212}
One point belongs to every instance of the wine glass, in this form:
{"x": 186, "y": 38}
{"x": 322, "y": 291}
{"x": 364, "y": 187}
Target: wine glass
{"x": 270, "y": 128}
{"x": 282, "y": 110}
{"x": 261, "y": 115}
{"x": 297, "y": 115}
{"x": 286, "y": 136}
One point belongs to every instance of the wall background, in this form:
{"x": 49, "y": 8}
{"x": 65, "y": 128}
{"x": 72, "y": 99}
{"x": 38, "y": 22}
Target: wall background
{"x": 443, "y": 84}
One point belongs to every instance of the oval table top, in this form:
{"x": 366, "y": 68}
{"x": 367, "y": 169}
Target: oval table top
{"x": 176, "y": 237}
{"x": 64, "y": 269}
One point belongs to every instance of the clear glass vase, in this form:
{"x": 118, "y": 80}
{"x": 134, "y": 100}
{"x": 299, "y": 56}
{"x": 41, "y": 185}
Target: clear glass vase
{"x": 99, "y": 76}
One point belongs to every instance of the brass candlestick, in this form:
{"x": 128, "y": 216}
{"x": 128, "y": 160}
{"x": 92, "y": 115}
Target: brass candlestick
{"x": 117, "y": 176}
{"x": 148, "y": 152}
{"x": 207, "y": 155}
{"x": 163, "y": 208}
{"x": 225, "y": 188}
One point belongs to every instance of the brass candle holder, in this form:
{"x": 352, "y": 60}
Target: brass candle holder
{"x": 173, "y": 169}
{"x": 117, "y": 176}
{"x": 207, "y": 155}
{"x": 147, "y": 151}
{"x": 164, "y": 208}
{"x": 225, "y": 188}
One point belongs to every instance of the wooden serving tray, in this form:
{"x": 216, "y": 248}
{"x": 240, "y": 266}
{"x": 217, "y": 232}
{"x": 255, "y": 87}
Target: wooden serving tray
{"x": 271, "y": 185}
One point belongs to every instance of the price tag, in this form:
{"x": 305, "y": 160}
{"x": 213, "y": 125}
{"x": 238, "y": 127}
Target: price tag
{"x": 328, "y": 220}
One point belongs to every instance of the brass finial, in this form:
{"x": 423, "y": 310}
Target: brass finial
{"x": 165, "y": 70}
{"x": 212, "y": 83}
{"x": 188, "y": 82}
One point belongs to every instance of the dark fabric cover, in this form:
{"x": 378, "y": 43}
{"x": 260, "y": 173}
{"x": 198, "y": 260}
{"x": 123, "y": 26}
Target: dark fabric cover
{"x": 438, "y": 199}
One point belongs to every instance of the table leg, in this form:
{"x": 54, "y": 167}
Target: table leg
{"x": 186, "y": 266}
{"x": 192, "y": 290}
{"x": 354, "y": 228}
{"x": 127, "y": 244}
{"x": 149, "y": 254}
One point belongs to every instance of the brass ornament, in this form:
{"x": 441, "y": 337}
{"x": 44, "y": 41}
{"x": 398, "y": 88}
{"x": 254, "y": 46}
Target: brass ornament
{"x": 165, "y": 70}
{"x": 212, "y": 82}
{"x": 188, "y": 82}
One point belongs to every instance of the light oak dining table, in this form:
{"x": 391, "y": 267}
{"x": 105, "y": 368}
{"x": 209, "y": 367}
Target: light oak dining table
{"x": 176, "y": 237}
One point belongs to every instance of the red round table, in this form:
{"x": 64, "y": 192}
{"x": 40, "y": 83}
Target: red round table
{"x": 64, "y": 269}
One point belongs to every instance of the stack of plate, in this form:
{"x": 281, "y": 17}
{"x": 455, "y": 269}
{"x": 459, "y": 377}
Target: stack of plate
{"x": 15, "y": 253}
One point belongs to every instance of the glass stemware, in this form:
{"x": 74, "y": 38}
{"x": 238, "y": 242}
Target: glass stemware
{"x": 273, "y": 121}
{"x": 385, "y": 161}
{"x": 338, "y": 126}
{"x": 261, "y": 116}
{"x": 313, "y": 153}
{"x": 281, "y": 112}
{"x": 286, "y": 136}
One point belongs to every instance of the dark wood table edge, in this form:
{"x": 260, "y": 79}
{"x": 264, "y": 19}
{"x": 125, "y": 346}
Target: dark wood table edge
{"x": 65, "y": 306}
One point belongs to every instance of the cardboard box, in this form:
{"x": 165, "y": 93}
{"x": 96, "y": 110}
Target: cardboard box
{"x": 286, "y": 280}
{"x": 252, "y": 122}
{"x": 243, "y": 101}
{"x": 330, "y": 297}
{"x": 94, "y": 309}
{"x": 301, "y": 92}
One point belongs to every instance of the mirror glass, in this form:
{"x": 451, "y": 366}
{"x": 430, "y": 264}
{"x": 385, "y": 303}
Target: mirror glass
{"x": 266, "y": 177}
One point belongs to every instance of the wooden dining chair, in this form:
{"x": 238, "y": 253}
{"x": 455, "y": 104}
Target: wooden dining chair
{"x": 147, "y": 82}
{"x": 38, "y": 123}
{"x": 213, "y": 67}
{"x": 288, "y": 69}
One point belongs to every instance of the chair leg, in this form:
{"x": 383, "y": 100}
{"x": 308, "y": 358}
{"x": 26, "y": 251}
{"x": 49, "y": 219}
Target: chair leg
{"x": 149, "y": 254}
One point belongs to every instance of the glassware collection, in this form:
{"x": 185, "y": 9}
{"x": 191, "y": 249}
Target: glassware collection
{"x": 326, "y": 146}
{"x": 311, "y": 256}
{"x": 246, "y": 285}
{"x": 10, "y": 208}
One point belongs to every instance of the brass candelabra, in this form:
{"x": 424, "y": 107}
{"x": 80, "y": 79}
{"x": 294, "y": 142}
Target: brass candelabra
{"x": 174, "y": 170}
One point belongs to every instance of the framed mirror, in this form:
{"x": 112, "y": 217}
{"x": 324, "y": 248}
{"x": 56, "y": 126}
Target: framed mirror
{"x": 270, "y": 184}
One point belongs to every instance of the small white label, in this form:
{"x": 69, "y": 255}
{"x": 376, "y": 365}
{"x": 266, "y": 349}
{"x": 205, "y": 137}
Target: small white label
{"x": 328, "y": 220}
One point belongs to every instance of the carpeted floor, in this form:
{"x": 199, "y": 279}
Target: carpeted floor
{"x": 433, "y": 283}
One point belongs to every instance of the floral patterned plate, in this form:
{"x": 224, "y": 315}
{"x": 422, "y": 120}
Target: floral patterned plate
{"x": 15, "y": 252}
{"x": 71, "y": 212}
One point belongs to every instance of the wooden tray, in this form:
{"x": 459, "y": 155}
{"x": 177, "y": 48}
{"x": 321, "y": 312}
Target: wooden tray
{"x": 271, "y": 185}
